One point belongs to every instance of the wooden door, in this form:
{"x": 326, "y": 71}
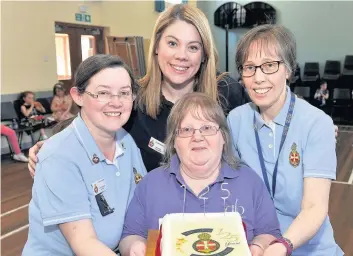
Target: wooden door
{"x": 77, "y": 37}
{"x": 131, "y": 50}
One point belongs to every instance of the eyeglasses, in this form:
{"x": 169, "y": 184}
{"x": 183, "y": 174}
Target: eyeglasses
{"x": 104, "y": 96}
{"x": 206, "y": 130}
{"x": 266, "y": 68}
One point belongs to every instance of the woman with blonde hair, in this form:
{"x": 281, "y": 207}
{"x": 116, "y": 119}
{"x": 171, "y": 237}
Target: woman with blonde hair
{"x": 182, "y": 58}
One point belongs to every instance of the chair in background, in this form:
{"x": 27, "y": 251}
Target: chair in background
{"x": 346, "y": 80}
{"x": 46, "y": 104}
{"x": 332, "y": 74}
{"x": 311, "y": 72}
{"x": 304, "y": 92}
{"x": 348, "y": 66}
{"x": 8, "y": 113}
{"x": 342, "y": 104}
{"x": 17, "y": 107}
{"x": 332, "y": 70}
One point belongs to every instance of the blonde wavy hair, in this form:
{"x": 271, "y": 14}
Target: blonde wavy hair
{"x": 149, "y": 95}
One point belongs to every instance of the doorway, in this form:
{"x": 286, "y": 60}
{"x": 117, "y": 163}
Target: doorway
{"x": 74, "y": 43}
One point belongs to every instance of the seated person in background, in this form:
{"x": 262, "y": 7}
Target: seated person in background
{"x": 12, "y": 138}
{"x": 321, "y": 94}
{"x": 199, "y": 162}
{"x": 61, "y": 103}
{"x": 31, "y": 109}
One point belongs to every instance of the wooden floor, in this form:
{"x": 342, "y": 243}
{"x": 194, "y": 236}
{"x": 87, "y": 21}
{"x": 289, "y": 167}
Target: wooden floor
{"x": 16, "y": 193}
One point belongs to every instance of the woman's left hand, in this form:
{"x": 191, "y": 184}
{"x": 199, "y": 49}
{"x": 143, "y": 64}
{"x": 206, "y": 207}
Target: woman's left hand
{"x": 138, "y": 248}
{"x": 256, "y": 251}
{"x": 276, "y": 249}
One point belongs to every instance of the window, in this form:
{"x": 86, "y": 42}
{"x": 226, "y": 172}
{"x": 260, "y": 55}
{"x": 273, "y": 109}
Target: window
{"x": 88, "y": 46}
{"x": 63, "y": 61}
{"x": 171, "y": 2}
{"x": 161, "y": 5}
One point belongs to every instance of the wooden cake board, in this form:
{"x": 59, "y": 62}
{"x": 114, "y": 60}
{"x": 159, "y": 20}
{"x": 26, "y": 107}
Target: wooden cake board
{"x": 151, "y": 242}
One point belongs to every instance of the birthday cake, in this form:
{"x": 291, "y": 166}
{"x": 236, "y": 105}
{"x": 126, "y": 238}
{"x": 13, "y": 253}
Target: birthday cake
{"x": 198, "y": 234}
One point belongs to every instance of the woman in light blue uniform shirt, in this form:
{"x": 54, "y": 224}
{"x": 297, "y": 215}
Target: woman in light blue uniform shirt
{"x": 86, "y": 174}
{"x": 288, "y": 142}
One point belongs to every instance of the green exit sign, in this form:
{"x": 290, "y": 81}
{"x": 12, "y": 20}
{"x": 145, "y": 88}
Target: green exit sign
{"x": 83, "y": 17}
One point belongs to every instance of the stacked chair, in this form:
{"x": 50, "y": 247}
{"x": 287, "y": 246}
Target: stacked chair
{"x": 311, "y": 72}
{"x": 339, "y": 83}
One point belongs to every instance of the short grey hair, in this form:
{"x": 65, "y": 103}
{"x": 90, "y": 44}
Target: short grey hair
{"x": 270, "y": 38}
{"x": 194, "y": 103}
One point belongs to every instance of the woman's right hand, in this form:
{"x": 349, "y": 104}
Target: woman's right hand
{"x": 33, "y": 151}
{"x": 138, "y": 248}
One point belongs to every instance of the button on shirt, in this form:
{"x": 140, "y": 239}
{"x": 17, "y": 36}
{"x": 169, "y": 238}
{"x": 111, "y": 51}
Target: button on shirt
{"x": 311, "y": 136}
{"x": 161, "y": 193}
{"x": 63, "y": 188}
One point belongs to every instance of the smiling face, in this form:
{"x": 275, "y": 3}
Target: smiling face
{"x": 180, "y": 53}
{"x": 199, "y": 154}
{"x": 105, "y": 117}
{"x": 267, "y": 91}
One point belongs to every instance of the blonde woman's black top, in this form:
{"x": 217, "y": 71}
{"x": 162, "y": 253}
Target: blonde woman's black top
{"x": 149, "y": 134}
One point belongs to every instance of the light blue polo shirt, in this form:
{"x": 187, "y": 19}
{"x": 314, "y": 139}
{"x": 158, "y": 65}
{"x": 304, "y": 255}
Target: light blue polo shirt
{"x": 63, "y": 188}
{"x": 311, "y": 134}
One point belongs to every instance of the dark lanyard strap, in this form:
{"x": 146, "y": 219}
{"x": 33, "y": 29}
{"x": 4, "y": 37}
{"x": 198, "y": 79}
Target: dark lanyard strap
{"x": 259, "y": 149}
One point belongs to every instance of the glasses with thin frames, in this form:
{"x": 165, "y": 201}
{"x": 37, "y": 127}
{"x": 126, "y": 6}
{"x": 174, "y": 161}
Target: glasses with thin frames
{"x": 206, "y": 130}
{"x": 125, "y": 96}
{"x": 267, "y": 68}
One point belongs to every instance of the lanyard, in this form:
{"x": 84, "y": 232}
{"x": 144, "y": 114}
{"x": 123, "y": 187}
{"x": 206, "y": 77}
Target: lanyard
{"x": 259, "y": 149}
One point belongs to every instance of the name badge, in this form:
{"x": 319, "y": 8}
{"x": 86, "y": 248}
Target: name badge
{"x": 157, "y": 145}
{"x": 98, "y": 187}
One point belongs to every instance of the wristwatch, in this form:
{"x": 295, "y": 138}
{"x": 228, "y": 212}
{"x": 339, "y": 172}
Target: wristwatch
{"x": 286, "y": 242}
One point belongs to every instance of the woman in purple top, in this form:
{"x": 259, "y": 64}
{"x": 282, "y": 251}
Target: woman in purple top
{"x": 199, "y": 162}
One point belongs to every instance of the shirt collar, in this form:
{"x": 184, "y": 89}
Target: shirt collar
{"x": 226, "y": 171}
{"x": 280, "y": 118}
{"x": 86, "y": 139}
{"x": 166, "y": 102}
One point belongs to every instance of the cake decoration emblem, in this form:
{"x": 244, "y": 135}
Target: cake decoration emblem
{"x": 205, "y": 244}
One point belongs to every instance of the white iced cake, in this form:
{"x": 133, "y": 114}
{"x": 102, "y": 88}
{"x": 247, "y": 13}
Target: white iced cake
{"x": 197, "y": 234}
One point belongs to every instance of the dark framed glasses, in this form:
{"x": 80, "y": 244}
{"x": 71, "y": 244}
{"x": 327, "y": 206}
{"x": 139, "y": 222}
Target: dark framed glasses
{"x": 266, "y": 68}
